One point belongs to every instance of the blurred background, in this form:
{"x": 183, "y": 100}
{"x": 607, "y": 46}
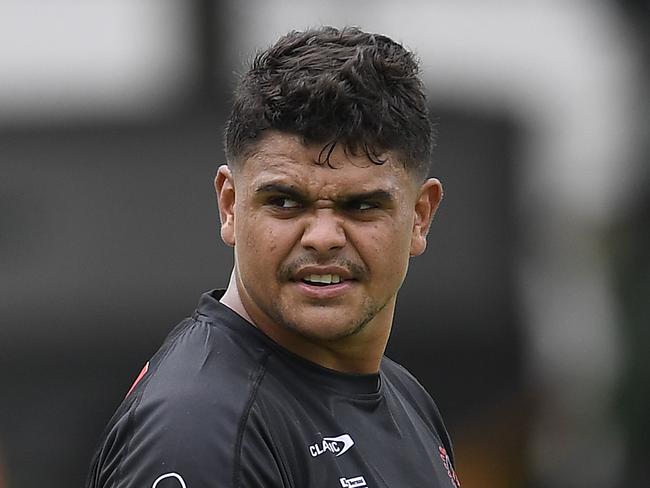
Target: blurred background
{"x": 527, "y": 319}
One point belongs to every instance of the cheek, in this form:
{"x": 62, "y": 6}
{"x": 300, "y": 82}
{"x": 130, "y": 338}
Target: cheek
{"x": 265, "y": 240}
{"x": 383, "y": 248}
{"x": 378, "y": 239}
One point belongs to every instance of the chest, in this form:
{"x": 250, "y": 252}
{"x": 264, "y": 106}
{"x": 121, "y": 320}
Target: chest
{"x": 341, "y": 442}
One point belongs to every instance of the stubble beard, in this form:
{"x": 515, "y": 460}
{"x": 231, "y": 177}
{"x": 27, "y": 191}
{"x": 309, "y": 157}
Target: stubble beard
{"x": 280, "y": 314}
{"x": 315, "y": 334}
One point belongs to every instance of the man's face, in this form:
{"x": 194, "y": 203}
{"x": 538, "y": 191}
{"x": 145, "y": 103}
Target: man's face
{"x": 320, "y": 251}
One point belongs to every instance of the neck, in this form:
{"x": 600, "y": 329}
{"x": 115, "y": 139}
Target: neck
{"x": 232, "y": 300}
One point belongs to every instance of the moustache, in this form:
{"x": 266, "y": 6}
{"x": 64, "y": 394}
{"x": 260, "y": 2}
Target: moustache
{"x": 288, "y": 270}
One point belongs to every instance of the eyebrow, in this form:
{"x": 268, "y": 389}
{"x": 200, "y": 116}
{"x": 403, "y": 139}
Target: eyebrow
{"x": 280, "y": 188}
{"x": 381, "y": 195}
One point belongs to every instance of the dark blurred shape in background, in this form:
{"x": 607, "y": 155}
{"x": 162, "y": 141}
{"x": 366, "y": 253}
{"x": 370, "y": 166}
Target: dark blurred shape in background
{"x": 527, "y": 318}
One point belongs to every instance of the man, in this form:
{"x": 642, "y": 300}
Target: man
{"x": 280, "y": 381}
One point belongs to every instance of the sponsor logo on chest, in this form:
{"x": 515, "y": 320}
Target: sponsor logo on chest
{"x": 336, "y": 445}
{"x": 356, "y": 482}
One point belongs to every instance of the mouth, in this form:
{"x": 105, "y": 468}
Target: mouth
{"x": 324, "y": 285}
{"x": 322, "y": 279}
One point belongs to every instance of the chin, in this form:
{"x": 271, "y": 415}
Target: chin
{"x": 320, "y": 328}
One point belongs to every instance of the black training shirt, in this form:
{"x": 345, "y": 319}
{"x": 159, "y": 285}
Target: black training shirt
{"x": 220, "y": 405}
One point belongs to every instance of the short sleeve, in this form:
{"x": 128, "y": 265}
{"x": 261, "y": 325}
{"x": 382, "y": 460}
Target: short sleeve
{"x": 171, "y": 443}
{"x": 185, "y": 424}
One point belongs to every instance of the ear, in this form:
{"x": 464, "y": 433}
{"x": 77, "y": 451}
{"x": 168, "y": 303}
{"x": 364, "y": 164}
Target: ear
{"x": 429, "y": 197}
{"x": 224, "y": 185}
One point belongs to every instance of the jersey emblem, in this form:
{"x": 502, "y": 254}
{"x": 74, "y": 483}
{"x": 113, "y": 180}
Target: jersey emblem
{"x": 446, "y": 461}
{"x": 176, "y": 476}
{"x": 336, "y": 445}
{"x": 356, "y": 482}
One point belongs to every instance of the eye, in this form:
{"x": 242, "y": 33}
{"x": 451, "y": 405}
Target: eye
{"x": 365, "y": 206}
{"x": 361, "y": 205}
{"x": 284, "y": 202}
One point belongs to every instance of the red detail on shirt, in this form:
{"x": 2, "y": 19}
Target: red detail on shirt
{"x": 446, "y": 461}
{"x": 145, "y": 368}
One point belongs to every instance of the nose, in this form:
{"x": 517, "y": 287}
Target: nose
{"x": 324, "y": 232}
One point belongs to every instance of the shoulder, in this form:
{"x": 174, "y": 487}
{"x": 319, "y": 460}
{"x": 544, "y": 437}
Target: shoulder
{"x": 187, "y": 413}
{"x": 200, "y": 359}
{"x": 402, "y": 378}
{"x": 399, "y": 381}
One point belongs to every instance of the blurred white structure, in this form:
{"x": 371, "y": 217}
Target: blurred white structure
{"x": 565, "y": 71}
{"x": 106, "y": 59}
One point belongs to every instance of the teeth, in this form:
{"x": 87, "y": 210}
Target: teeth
{"x": 325, "y": 279}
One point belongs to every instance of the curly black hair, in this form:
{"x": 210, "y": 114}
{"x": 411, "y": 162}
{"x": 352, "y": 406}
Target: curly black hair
{"x": 330, "y": 87}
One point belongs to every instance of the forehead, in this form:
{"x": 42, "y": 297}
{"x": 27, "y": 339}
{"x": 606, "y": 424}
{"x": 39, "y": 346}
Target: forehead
{"x": 284, "y": 158}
